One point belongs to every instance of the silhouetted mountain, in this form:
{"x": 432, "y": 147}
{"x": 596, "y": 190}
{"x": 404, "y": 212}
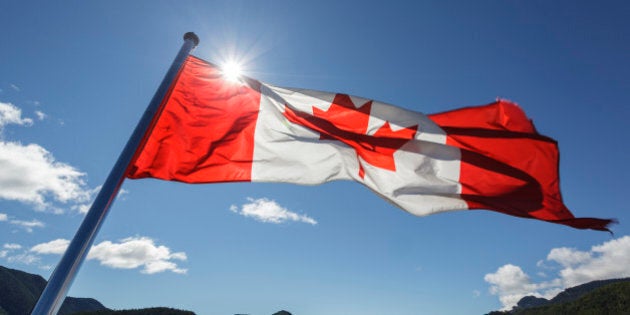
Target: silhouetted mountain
{"x": 597, "y": 297}
{"x": 19, "y": 292}
{"x": 572, "y": 294}
{"x": 144, "y": 311}
{"x": 531, "y": 301}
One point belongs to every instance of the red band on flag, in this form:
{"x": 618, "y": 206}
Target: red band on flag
{"x": 507, "y": 166}
{"x": 205, "y": 131}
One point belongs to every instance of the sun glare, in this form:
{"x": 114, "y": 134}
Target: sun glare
{"x": 232, "y": 71}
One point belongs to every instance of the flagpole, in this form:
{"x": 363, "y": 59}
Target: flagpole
{"x": 59, "y": 283}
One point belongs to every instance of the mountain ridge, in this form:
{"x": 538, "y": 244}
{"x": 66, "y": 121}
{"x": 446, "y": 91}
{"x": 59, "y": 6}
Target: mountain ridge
{"x": 20, "y": 290}
{"x": 611, "y": 296}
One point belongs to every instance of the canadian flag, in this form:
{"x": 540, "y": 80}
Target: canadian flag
{"x": 210, "y": 130}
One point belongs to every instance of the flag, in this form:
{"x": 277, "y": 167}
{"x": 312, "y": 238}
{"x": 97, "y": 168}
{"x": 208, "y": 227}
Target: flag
{"x": 210, "y": 130}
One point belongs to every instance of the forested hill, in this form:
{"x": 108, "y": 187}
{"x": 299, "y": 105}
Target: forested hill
{"x": 598, "y": 297}
{"x": 144, "y": 311}
{"x": 19, "y": 292}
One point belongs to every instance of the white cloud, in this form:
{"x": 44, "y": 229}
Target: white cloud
{"x": 82, "y": 208}
{"x": 510, "y": 283}
{"x": 15, "y": 87}
{"x": 269, "y": 211}
{"x": 10, "y": 114}
{"x": 135, "y": 252}
{"x": 8, "y": 248}
{"x": 606, "y": 261}
{"x": 40, "y": 115}
{"x": 12, "y": 246}
{"x": 30, "y": 174}
{"x": 24, "y": 258}
{"x": 57, "y": 246}
{"x": 28, "y": 225}
{"x": 568, "y": 257}
{"x": 129, "y": 253}
{"x": 45, "y": 267}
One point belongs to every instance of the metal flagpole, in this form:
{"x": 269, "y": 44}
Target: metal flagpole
{"x": 55, "y": 292}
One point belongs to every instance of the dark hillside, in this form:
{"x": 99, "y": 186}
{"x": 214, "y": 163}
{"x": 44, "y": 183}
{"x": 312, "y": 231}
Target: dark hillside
{"x": 610, "y": 297}
{"x": 19, "y": 292}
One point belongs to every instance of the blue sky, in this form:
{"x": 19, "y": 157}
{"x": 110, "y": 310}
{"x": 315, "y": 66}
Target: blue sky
{"x": 75, "y": 78}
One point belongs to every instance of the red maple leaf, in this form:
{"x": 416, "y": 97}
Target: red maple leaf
{"x": 344, "y": 122}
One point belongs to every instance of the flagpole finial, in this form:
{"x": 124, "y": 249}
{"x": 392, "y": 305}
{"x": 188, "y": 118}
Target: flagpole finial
{"x": 193, "y": 37}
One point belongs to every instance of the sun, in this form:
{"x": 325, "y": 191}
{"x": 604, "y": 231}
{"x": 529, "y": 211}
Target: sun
{"x": 232, "y": 70}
